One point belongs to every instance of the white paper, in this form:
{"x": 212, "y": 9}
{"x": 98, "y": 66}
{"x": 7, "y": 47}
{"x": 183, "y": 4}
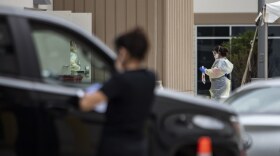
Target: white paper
{"x": 203, "y": 78}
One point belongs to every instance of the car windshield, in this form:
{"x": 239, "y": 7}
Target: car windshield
{"x": 264, "y": 100}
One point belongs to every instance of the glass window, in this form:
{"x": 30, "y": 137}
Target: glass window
{"x": 237, "y": 30}
{"x": 273, "y": 58}
{"x": 8, "y": 61}
{"x": 205, "y": 58}
{"x": 213, "y": 31}
{"x": 265, "y": 100}
{"x": 273, "y": 31}
{"x": 64, "y": 58}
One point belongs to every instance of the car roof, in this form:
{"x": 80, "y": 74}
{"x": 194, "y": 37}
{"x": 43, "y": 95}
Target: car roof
{"x": 188, "y": 98}
{"x": 259, "y": 84}
{"x": 41, "y": 16}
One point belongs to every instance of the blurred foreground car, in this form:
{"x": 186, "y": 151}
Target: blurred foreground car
{"x": 258, "y": 105}
{"x": 39, "y": 93}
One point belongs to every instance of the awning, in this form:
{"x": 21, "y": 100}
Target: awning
{"x": 272, "y": 12}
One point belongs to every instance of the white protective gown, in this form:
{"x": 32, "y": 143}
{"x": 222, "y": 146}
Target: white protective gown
{"x": 220, "y": 84}
{"x": 74, "y": 66}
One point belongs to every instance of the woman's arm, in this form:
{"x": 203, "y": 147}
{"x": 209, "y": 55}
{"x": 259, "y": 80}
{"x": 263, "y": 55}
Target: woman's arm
{"x": 214, "y": 72}
{"x": 90, "y": 101}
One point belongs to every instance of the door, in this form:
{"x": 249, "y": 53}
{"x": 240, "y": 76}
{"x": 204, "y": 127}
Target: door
{"x": 39, "y": 89}
{"x": 16, "y": 95}
{"x": 68, "y": 62}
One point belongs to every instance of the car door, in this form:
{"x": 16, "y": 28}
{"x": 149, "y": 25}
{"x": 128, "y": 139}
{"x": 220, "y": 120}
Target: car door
{"x": 61, "y": 128}
{"x": 16, "y": 95}
{"x": 47, "y": 120}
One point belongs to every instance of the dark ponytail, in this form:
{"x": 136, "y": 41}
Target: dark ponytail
{"x": 222, "y": 51}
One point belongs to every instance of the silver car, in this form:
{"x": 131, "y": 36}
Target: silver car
{"x": 258, "y": 104}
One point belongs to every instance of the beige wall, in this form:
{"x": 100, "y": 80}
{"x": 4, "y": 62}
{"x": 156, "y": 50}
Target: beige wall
{"x": 224, "y": 18}
{"x": 179, "y": 56}
{"x": 81, "y": 19}
{"x": 168, "y": 23}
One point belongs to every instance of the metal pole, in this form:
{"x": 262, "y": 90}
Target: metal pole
{"x": 262, "y": 46}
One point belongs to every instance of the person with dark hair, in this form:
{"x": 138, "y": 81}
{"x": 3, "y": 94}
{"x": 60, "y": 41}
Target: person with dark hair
{"x": 218, "y": 74}
{"x": 129, "y": 94}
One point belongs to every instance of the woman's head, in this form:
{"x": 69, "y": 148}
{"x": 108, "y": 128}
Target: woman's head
{"x": 132, "y": 46}
{"x": 135, "y": 42}
{"x": 220, "y": 51}
{"x": 73, "y": 46}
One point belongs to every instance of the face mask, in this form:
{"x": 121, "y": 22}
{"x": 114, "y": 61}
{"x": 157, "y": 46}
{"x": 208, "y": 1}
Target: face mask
{"x": 216, "y": 56}
{"x": 121, "y": 62}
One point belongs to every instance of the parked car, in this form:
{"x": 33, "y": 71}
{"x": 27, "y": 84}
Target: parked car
{"x": 39, "y": 93}
{"x": 258, "y": 105}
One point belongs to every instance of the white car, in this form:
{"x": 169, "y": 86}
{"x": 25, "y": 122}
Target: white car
{"x": 258, "y": 105}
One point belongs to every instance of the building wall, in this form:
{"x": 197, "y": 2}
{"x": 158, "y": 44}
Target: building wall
{"x": 168, "y": 23}
{"x": 227, "y": 6}
{"x": 224, "y": 18}
{"x": 217, "y": 12}
{"x": 81, "y": 19}
{"x": 179, "y": 56}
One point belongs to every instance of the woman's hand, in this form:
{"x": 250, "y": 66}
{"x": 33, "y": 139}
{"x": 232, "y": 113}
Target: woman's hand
{"x": 202, "y": 69}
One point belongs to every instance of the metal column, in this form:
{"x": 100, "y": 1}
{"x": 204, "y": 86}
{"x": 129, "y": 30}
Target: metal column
{"x": 262, "y": 46}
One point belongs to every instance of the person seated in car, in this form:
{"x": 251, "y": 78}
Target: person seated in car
{"x": 74, "y": 60}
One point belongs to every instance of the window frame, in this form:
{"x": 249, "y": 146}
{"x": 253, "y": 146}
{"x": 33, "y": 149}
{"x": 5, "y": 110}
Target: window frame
{"x": 21, "y": 46}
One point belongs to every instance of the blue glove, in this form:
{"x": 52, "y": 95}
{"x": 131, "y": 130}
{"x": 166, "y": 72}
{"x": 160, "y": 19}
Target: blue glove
{"x": 93, "y": 88}
{"x": 202, "y": 69}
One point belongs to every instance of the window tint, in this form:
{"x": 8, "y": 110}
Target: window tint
{"x": 274, "y": 31}
{"x": 8, "y": 61}
{"x": 64, "y": 58}
{"x": 273, "y": 57}
{"x": 212, "y": 31}
{"x": 237, "y": 30}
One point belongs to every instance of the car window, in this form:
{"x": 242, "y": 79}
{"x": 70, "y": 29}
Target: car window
{"x": 8, "y": 61}
{"x": 65, "y": 58}
{"x": 262, "y": 100}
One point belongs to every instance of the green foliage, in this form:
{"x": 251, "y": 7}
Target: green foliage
{"x": 239, "y": 48}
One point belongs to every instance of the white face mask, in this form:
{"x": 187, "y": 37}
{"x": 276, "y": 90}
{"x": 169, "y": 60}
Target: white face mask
{"x": 216, "y": 56}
